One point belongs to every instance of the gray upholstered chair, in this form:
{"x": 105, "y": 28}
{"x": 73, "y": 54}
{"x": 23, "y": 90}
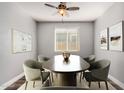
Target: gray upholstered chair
{"x": 98, "y": 73}
{"x": 33, "y": 71}
{"x": 42, "y": 58}
{"x": 90, "y": 59}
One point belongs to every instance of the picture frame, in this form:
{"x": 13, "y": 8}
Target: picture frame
{"x": 21, "y": 42}
{"x": 104, "y": 39}
{"x": 116, "y": 36}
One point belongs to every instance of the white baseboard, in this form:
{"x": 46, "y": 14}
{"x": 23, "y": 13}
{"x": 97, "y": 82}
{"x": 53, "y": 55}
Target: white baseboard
{"x": 5, "y": 85}
{"x": 119, "y": 83}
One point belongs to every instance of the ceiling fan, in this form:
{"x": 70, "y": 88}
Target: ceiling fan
{"x": 62, "y": 8}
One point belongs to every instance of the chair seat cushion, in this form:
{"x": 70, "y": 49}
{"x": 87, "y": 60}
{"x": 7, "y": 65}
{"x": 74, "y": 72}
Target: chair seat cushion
{"x": 94, "y": 66}
{"x": 46, "y": 58}
{"x": 45, "y": 75}
{"x": 38, "y": 65}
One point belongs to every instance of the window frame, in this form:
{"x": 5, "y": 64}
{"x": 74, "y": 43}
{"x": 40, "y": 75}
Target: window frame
{"x": 62, "y": 31}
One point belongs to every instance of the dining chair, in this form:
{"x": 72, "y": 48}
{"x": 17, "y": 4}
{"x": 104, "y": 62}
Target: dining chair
{"x": 90, "y": 59}
{"x": 98, "y": 73}
{"x": 41, "y": 59}
{"x": 33, "y": 71}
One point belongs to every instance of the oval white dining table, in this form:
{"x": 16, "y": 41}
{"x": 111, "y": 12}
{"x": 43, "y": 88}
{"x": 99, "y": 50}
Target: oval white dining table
{"x": 66, "y": 71}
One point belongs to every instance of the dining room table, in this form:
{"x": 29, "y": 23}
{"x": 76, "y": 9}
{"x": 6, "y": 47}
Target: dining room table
{"x": 66, "y": 70}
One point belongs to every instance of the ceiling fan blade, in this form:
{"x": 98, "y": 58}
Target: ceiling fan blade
{"x": 72, "y": 8}
{"x": 50, "y": 5}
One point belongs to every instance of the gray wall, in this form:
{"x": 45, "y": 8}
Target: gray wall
{"x": 46, "y": 37}
{"x": 12, "y": 16}
{"x": 112, "y": 16}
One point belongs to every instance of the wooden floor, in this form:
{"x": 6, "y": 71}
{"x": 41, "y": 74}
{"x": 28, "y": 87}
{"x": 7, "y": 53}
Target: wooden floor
{"x": 21, "y": 81}
{"x": 17, "y": 84}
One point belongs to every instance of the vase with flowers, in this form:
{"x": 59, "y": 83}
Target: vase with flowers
{"x": 66, "y": 56}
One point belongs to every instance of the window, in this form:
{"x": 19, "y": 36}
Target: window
{"x": 67, "y": 39}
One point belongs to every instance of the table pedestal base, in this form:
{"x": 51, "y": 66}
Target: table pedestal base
{"x": 66, "y": 79}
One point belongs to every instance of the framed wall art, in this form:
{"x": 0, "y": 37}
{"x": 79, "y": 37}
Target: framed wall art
{"x": 21, "y": 42}
{"x": 116, "y": 37}
{"x": 104, "y": 39}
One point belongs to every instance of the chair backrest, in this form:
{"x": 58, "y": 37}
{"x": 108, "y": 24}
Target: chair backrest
{"x": 42, "y": 58}
{"x": 101, "y": 69}
{"x": 90, "y": 59}
{"x": 30, "y": 70}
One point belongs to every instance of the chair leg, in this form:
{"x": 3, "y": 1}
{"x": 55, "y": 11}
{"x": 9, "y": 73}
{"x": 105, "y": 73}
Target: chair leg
{"x": 51, "y": 76}
{"x": 50, "y": 82}
{"x": 99, "y": 84}
{"x": 26, "y": 82}
{"x": 83, "y": 74}
{"x": 33, "y": 84}
{"x": 106, "y": 85}
{"x": 41, "y": 78}
{"x": 80, "y": 76}
{"x": 89, "y": 83}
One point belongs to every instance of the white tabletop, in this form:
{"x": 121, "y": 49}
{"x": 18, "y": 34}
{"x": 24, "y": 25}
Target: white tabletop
{"x": 75, "y": 64}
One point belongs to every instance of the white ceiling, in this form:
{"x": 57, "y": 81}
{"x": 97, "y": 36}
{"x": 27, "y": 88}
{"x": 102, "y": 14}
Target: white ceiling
{"x": 89, "y": 11}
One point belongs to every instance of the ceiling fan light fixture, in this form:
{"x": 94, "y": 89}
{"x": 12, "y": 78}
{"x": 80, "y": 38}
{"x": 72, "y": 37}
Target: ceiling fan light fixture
{"x": 62, "y": 8}
{"x": 62, "y": 12}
